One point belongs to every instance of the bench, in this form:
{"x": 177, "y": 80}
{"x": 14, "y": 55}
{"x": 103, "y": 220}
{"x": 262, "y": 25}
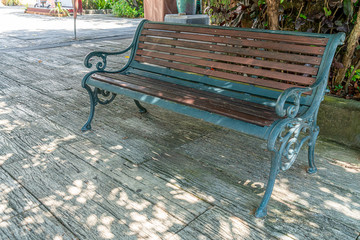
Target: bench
{"x": 268, "y": 84}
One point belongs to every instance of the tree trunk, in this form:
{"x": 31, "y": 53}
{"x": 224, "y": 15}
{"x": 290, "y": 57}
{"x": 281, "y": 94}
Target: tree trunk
{"x": 273, "y": 13}
{"x": 350, "y": 50}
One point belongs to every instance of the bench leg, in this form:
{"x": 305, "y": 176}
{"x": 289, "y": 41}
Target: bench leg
{"x": 141, "y": 108}
{"x": 311, "y": 152}
{"x": 274, "y": 170}
{"x": 87, "y": 125}
{"x": 94, "y": 100}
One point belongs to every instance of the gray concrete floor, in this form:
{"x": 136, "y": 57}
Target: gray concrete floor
{"x": 155, "y": 176}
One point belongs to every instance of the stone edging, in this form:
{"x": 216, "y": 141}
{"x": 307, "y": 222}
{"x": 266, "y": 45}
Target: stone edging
{"x": 339, "y": 121}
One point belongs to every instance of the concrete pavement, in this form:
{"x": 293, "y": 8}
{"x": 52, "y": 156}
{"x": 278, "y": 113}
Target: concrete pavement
{"x": 20, "y": 31}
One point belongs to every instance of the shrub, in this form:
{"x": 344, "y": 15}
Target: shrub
{"x": 10, "y": 2}
{"x": 96, "y": 4}
{"x": 102, "y": 4}
{"x": 130, "y": 9}
{"x": 89, "y": 4}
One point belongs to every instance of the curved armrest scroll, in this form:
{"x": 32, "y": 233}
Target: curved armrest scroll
{"x": 100, "y": 65}
{"x": 292, "y": 110}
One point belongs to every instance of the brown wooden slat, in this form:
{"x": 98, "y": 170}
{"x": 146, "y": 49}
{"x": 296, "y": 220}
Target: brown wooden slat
{"x": 197, "y": 103}
{"x": 241, "y": 51}
{"x": 231, "y": 67}
{"x": 233, "y": 59}
{"x": 241, "y": 33}
{"x": 214, "y": 73}
{"x": 241, "y": 42}
{"x": 212, "y": 98}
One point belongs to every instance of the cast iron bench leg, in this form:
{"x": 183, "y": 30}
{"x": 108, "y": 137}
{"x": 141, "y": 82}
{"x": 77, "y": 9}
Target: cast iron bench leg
{"x": 87, "y": 125}
{"x": 274, "y": 170}
{"x": 311, "y": 152}
{"x": 141, "y": 108}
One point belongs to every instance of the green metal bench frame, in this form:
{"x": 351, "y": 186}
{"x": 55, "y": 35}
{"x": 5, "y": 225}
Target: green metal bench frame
{"x": 297, "y": 112}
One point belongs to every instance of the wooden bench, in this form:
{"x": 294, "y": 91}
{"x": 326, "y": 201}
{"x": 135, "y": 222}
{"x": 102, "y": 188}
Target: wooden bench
{"x": 268, "y": 84}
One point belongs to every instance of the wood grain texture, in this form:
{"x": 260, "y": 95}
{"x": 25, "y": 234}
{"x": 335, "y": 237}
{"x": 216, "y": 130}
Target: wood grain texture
{"x": 217, "y": 74}
{"x": 10, "y": 151}
{"x": 218, "y": 224}
{"x": 14, "y": 199}
{"x": 245, "y": 34}
{"x": 193, "y": 98}
{"x": 235, "y": 198}
{"x": 331, "y": 167}
{"x": 177, "y": 202}
{"x": 241, "y": 51}
{"x": 37, "y": 223}
{"x": 197, "y": 38}
{"x": 231, "y": 59}
{"x": 98, "y": 205}
{"x": 291, "y": 78}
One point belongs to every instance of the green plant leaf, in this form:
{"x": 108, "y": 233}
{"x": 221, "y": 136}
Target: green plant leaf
{"x": 327, "y": 11}
{"x": 303, "y": 16}
{"x": 261, "y": 2}
{"x": 348, "y": 8}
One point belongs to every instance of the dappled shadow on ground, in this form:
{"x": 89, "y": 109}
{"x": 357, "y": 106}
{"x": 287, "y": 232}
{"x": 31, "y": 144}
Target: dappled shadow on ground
{"x": 75, "y": 184}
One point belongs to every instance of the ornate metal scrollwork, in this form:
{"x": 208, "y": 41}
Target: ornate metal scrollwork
{"x": 285, "y": 143}
{"x": 105, "y": 94}
{"x": 99, "y": 65}
{"x": 290, "y": 141}
{"x": 292, "y": 109}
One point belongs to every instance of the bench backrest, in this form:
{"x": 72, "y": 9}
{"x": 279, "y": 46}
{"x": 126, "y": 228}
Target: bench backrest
{"x": 255, "y": 62}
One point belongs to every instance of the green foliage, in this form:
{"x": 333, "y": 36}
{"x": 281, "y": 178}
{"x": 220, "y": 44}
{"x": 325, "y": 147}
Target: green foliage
{"x": 233, "y": 13}
{"x": 96, "y": 4}
{"x": 261, "y": 2}
{"x": 327, "y": 12}
{"x": 348, "y": 8}
{"x": 302, "y": 16}
{"x": 59, "y": 10}
{"x": 89, "y": 4}
{"x": 102, "y": 4}
{"x": 124, "y": 8}
{"x": 356, "y": 75}
{"x": 10, "y": 2}
{"x": 338, "y": 87}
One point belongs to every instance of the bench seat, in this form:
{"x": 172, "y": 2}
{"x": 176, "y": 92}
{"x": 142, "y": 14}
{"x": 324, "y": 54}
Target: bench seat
{"x": 254, "y": 113}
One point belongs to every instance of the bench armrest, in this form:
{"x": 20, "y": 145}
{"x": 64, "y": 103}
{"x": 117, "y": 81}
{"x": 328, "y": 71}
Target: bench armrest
{"x": 292, "y": 110}
{"x": 101, "y": 64}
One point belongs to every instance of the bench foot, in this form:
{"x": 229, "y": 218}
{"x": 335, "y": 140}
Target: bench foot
{"x": 274, "y": 170}
{"x": 141, "y": 108}
{"x": 260, "y": 213}
{"x": 311, "y": 170}
{"x": 86, "y": 127}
